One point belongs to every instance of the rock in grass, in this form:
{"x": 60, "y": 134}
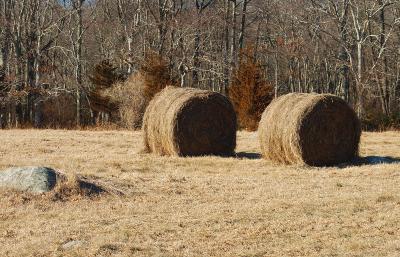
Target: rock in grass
{"x": 29, "y": 179}
{"x": 72, "y": 244}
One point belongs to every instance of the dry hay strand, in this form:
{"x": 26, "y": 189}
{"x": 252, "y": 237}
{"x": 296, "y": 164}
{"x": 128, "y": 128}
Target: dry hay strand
{"x": 189, "y": 122}
{"x": 310, "y": 129}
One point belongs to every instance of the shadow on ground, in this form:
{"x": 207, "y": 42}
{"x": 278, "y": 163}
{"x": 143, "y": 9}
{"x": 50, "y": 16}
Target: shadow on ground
{"x": 250, "y": 156}
{"x": 370, "y": 160}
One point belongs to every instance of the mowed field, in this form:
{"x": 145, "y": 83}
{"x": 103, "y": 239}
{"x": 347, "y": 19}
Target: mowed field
{"x": 207, "y": 206}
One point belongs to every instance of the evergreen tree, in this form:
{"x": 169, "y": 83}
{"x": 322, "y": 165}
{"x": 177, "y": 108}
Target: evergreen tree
{"x": 249, "y": 91}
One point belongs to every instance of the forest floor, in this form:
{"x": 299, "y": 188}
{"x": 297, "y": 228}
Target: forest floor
{"x": 207, "y": 206}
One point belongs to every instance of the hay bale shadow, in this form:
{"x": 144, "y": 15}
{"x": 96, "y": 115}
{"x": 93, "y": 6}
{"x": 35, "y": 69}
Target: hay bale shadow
{"x": 376, "y": 160}
{"x": 247, "y": 155}
{"x": 370, "y": 160}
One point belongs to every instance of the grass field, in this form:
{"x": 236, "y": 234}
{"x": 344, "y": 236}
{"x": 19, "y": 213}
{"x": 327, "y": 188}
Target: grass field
{"x": 206, "y": 206}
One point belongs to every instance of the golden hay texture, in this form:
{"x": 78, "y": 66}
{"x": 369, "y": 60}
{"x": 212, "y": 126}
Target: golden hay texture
{"x": 189, "y": 122}
{"x": 312, "y": 129}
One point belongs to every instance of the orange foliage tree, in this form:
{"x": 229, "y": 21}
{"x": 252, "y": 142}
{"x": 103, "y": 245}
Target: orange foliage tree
{"x": 156, "y": 74}
{"x": 249, "y": 91}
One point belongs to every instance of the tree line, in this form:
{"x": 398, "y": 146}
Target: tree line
{"x": 50, "y": 50}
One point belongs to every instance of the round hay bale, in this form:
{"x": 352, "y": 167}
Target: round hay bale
{"x": 311, "y": 129}
{"x": 189, "y": 122}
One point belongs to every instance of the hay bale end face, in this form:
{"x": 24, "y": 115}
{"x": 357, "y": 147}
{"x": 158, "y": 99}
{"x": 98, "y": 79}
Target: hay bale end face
{"x": 189, "y": 122}
{"x": 311, "y": 129}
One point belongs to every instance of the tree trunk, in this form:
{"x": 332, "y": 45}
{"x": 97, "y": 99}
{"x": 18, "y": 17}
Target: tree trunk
{"x": 243, "y": 24}
{"x": 38, "y": 117}
{"x": 385, "y": 87}
{"x": 343, "y": 56}
{"x": 196, "y": 55}
{"x": 78, "y": 58}
{"x": 227, "y": 66}
{"x": 359, "y": 85}
{"x": 234, "y": 53}
{"x": 276, "y": 73}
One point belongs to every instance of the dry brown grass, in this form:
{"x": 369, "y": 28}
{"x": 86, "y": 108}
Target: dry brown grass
{"x": 207, "y": 206}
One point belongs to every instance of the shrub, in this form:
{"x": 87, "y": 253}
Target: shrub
{"x": 130, "y": 99}
{"x": 59, "y": 111}
{"x": 126, "y": 100}
{"x": 374, "y": 119}
{"x": 105, "y": 75}
{"x": 103, "y": 78}
{"x": 156, "y": 74}
{"x": 377, "y": 121}
{"x": 249, "y": 92}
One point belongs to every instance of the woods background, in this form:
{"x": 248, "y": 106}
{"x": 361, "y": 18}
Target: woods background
{"x": 59, "y": 57}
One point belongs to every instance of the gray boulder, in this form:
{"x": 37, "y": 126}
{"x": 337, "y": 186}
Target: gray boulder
{"x": 29, "y": 179}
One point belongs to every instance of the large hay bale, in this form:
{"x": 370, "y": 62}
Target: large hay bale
{"x": 312, "y": 129}
{"x": 189, "y": 122}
